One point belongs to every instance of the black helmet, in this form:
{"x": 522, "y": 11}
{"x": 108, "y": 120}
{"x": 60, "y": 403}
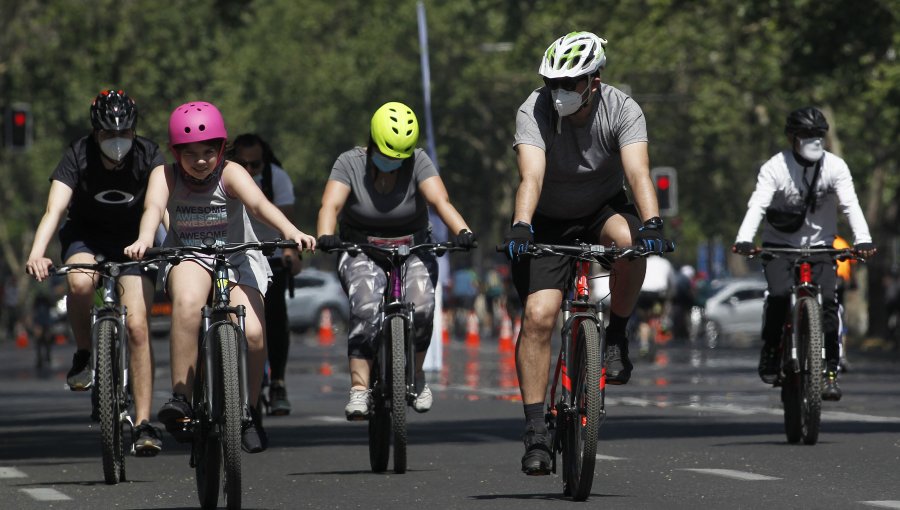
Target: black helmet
{"x": 808, "y": 120}
{"x": 113, "y": 110}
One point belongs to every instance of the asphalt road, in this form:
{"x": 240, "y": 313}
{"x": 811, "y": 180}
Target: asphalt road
{"x": 694, "y": 429}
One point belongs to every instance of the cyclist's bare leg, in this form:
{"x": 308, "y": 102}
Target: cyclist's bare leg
{"x": 136, "y": 296}
{"x": 625, "y": 285}
{"x": 80, "y": 299}
{"x": 189, "y": 285}
{"x": 360, "y": 369}
{"x": 254, "y": 330}
{"x": 533, "y": 347}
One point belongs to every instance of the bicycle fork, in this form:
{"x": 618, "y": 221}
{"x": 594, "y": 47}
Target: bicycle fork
{"x": 214, "y": 410}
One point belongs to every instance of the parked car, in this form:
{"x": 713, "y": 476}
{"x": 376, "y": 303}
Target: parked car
{"x": 734, "y": 312}
{"x": 314, "y": 292}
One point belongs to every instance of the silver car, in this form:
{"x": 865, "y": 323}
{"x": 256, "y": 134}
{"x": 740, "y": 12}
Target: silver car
{"x": 734, "y": 312}
{"x": 314, "y": 292}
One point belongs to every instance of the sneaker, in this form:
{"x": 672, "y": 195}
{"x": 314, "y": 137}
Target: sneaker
{"x": 147, "y": 440}
{"x": 81, "y": 375}
{"x": 253, "y": 436}
{"x": 176, "y": 415}
{"x": 618, "y": 366}
{"x": 831, "y": 390}
{"x": 768, "y": 364}
{"x": 360, "y": 404}
{"x": 537, "y": 459}
{"x": 423, "y": 400}
{"x": 278, "y": 403}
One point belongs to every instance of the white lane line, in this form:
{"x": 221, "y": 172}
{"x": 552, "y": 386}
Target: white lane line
{"x": 882, "y": 504}
{"x": 46, "y": 494}
{"x": 609, "y": 457}
{"x": 737, "y": 475}
{"x": 11, "y": 472}
{"x": 329, "y": 419}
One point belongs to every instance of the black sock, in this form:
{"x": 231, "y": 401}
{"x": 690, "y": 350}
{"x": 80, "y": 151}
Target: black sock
{"x": 615, "y": 331}
{"x": 534, "y": 414}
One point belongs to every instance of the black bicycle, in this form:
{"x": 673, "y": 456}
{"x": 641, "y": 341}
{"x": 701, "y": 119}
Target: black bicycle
{"x": 220, "y": 395}
{"x": 111, "y": 398}
{"x": 393, "y": 382}
{"x": 802, "y": 348}
{"x": 577, "y": 405}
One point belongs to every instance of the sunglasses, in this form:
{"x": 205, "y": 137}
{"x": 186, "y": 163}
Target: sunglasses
{"x": 564, "y": 83}
{"x": 811, "y": 133}
{"x": 255, "y": 164}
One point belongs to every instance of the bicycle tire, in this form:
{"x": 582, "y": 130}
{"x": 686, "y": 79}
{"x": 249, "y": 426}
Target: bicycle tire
{"x": 579, "y": 453}
{"x": 207, "y": 449}
{"x": 398, "y": 392}
{"x": 108, "y": 403}
{"x": 226, "y": 339}
{"x": 812, "y": 367}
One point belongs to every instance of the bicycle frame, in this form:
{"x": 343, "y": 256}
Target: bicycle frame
{"x": 395, "y": 306}
{"x": 111, "y": 310}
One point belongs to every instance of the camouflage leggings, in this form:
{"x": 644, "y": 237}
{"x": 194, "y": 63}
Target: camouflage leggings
{"x": 364, "y": 282}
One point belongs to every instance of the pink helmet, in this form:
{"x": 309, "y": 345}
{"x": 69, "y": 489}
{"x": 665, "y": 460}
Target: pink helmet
{"x": 196, "y": 121}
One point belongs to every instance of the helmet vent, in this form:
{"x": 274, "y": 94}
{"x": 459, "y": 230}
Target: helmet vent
{"x": 202, "y": 127}
{"x": 187, "y": 130}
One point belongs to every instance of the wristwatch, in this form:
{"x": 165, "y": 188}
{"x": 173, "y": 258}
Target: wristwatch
{"x": 654, "y": 223}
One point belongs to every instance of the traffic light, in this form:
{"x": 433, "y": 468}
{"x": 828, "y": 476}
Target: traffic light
{"x": 665, "y": 179}
{"x": 17, "y": 124}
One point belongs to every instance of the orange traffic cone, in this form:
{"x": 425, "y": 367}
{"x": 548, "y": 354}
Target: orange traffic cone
{"x": 61, "y": 339}
{"x": 506, "y": 335}
{"x": 473, "y": 337}
{"x": 326, "y": 335}
{"x": 22, "y": 340}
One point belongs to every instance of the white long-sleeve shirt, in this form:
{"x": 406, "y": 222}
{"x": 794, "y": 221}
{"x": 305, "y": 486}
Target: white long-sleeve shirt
{"x": 781, "y": 184}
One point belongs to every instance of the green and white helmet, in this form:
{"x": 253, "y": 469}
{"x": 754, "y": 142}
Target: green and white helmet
{"x": 574, "y": 54}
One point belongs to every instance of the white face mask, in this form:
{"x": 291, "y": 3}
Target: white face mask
{"x": 567, "y": 102}
{"x": 115, "y": 148}
{"x": 810, "y": 148}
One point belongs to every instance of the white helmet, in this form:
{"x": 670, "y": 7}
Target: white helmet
{"x": 572, "y": 55}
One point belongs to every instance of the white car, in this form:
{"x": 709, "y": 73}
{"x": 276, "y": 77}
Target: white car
{"x": 734, "y": 312}
{"x": 314, "y": 292}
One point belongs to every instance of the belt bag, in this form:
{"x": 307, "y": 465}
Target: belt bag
{"x": 790, "y": 220}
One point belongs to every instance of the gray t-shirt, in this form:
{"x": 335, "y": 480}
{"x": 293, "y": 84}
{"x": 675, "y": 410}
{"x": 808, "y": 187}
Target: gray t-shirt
{"x": 584, "y": 168}
{"x": 400, "y": 212}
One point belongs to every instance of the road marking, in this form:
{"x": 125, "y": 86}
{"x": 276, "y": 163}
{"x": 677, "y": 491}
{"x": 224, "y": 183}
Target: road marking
{"x": 329, "y": 419}
{"x": 737, "y": 475}
{"x": 46, "y": 494}
{"x": 609, "y": 457}
{"x": 11, "y": 472}
{"x": 882, "y": 504}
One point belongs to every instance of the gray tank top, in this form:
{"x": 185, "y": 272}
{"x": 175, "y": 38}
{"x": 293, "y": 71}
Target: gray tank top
{"x": 196, "y": 213}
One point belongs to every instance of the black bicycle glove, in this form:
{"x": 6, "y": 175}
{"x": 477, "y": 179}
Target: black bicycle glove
{"x": 466, "y": 239}
{"x": 743, "y": 248}
{"x": 518, "y": 239}
{"x": 650, "y": 236}
{"x": 328, "y": 242}
{"x": 868, "y": 249}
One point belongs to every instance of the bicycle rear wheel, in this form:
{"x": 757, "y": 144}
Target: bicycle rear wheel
{"x": 226, "y": 339}
{"x": 398, "y": 392}
{"x": 108, "y": 404}
{"x": 582, "y": 423}
{"x": 812, "y": 367}
{"x": 207, "y": 449}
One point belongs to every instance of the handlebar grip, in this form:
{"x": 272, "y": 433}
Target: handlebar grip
{"x": 154, "y": 251}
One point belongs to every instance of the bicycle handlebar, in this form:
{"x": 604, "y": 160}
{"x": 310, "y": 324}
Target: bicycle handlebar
{"x": 102, "y": 266}
{"x": 403, "y": 250}
{"x": 169, "y": 252}
{"x": 770, "y": 253}
{"x": 584, "y": 250}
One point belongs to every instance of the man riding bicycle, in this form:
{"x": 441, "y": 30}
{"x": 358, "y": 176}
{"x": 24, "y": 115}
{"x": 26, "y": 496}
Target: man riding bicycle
{"x": 798, "y": 191}
{"x": 577, "y": 141}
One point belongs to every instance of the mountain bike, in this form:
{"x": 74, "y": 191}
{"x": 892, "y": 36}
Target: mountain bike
{"x": 802, "y": 347}
{"x": 220, "y": 394}
{"x": 393, "y": 380}
{"x": 577, "y": 405}
{"x": 111, "y": 393}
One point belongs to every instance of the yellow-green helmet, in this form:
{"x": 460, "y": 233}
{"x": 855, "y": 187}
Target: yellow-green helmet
{"x": 395, "y": 130}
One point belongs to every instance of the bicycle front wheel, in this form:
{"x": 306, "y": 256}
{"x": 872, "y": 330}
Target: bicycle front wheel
{"x": 398, "y": 392}
{"x": 226, "y": 339}
{"x": 812, "y": 366}
{"x": 579, "y": 449}
{"x": 108, "y": 404}
{"x": 207, "y": 449}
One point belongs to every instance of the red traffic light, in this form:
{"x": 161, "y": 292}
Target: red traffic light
{"x": 19, "y": 119}
{"x": 662, "y": 182}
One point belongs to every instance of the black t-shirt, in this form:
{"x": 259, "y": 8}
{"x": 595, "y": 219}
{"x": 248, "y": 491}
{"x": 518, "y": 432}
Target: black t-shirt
{"x": 106, "y": 204}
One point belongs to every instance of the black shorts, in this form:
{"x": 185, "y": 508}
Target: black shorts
{"x": 554, "y": 272}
